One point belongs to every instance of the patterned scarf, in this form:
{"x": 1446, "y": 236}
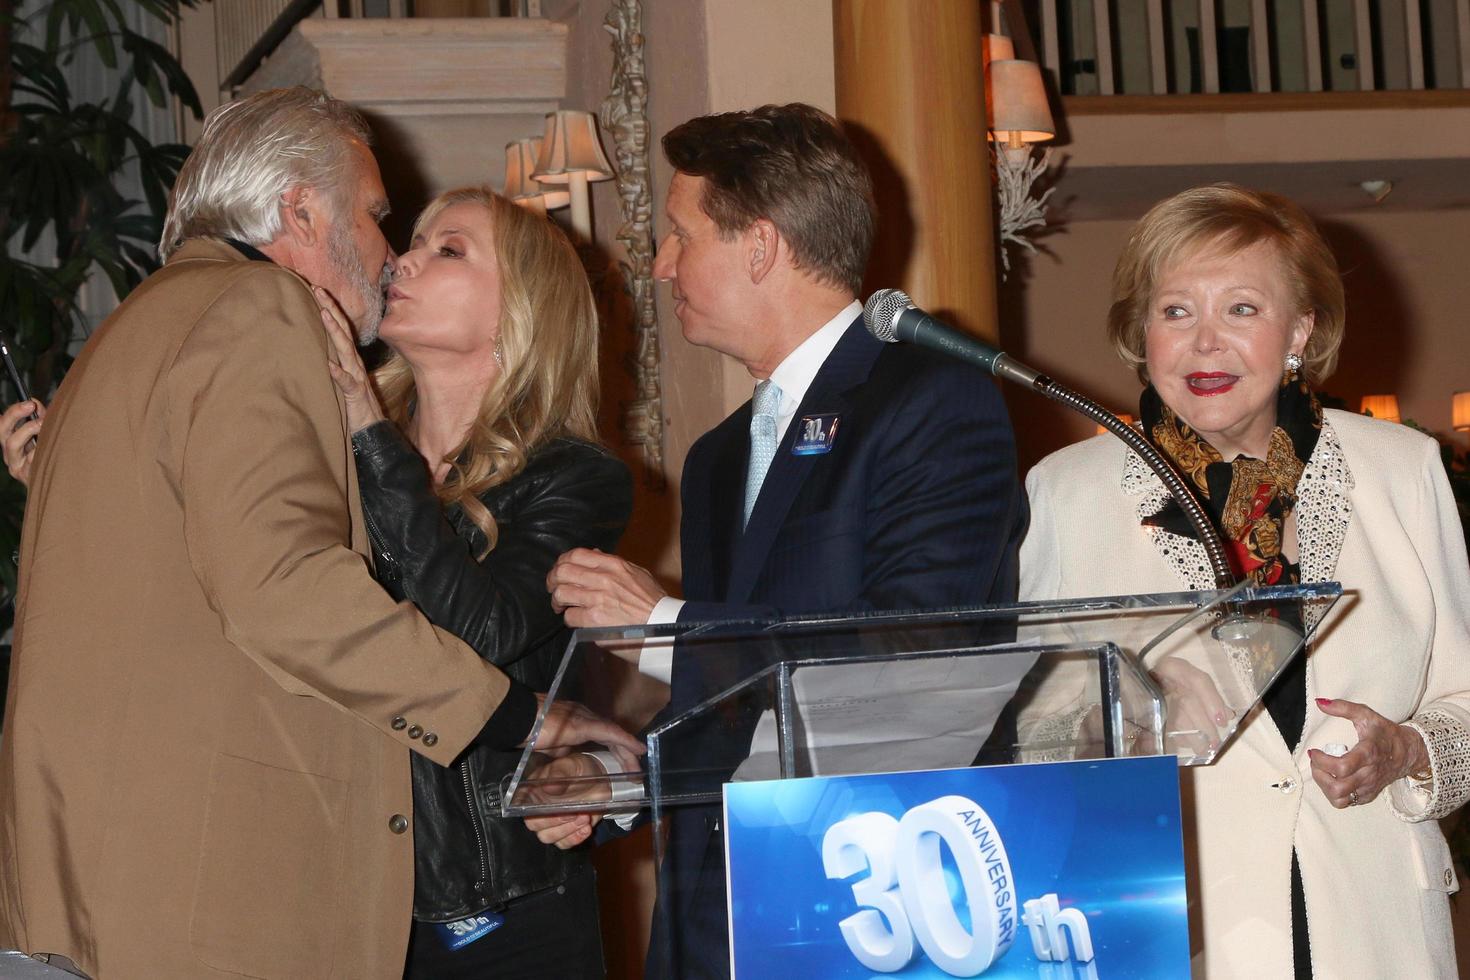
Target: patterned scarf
{"x": 1247, "y": 499}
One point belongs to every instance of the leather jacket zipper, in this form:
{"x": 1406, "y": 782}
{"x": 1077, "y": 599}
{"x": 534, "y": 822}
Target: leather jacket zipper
{"x": 377, "y": 539}
{"x": 469, "y": 796}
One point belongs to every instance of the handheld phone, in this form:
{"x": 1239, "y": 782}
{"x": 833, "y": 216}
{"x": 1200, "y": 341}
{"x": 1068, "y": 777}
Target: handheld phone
{"x": 18, "y": 381}
{"x": 15, "y": 378}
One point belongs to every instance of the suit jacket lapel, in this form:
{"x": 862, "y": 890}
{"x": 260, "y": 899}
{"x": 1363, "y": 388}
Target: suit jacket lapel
{"x": 727, "y": 498}
{"x": 848, "y": 365}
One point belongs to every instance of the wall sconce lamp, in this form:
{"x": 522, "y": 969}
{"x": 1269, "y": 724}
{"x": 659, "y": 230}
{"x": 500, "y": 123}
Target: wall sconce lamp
{"x": 571, "y": 157}
{"x": 1384, "y": 407}
{"x": 520, "y": 163}
{"x": 1019, "y": 117}
{"x": 1460, "y": 411}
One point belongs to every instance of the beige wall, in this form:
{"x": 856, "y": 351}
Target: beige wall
{"x": 759, "y": 52}
{"x": 1408, "y": 297}
{"x": 1051, "y": 317}
{"x": 764, "y": 51}
{"x": 194, "y": 45}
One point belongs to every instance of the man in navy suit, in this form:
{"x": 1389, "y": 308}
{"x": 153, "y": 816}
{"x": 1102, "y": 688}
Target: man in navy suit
{"x": 860, "y": 476}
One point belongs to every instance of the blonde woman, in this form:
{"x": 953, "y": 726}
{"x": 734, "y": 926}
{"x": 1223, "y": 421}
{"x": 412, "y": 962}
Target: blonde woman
{"x": 478, "y": 467}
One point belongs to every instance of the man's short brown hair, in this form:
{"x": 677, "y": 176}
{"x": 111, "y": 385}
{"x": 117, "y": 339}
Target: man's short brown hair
{"x": 792, "y": 165}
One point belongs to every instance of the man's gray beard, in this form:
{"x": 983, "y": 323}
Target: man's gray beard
{"x": 342, "y": 254}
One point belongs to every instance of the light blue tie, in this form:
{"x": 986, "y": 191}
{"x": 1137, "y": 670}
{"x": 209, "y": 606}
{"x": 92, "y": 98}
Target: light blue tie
{"x": 762, "y": 440}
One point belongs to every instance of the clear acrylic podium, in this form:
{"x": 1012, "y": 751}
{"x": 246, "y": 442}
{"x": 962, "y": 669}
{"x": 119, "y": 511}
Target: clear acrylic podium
{"x": 1170, "y": 674}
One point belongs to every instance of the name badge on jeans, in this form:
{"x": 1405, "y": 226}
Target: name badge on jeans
{"x": 815, "y": 434}
{"x": 462, "y": 932}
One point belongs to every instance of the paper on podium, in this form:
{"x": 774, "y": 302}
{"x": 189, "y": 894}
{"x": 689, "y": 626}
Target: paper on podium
{"x": 919, "y": 713}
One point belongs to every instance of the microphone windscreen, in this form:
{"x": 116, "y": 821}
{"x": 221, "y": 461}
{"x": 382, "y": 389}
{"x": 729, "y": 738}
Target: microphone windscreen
{"x": 881, "y": 311}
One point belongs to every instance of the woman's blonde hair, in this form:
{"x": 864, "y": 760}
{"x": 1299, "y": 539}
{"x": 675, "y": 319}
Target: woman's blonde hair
{"x": 1229, "y": 219}
{"x": 547, "y": 386}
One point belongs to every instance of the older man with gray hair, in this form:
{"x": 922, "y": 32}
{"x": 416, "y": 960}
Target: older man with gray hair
{"x": 205, "y": 767}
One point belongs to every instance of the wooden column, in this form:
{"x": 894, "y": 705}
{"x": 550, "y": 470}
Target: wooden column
{"x": 910, "y": 89}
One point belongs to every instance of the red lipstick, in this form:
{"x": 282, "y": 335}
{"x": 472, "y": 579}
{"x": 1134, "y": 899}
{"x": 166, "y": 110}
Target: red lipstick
{"x": 1207, "y": 383}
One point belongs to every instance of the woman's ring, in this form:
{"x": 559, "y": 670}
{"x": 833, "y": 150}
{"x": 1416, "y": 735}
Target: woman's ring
{"x": 1352, "y": 797}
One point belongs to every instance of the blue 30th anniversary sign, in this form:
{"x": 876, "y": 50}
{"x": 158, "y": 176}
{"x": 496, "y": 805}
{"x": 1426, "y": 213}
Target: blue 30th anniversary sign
{"x": 1054, "y": 871}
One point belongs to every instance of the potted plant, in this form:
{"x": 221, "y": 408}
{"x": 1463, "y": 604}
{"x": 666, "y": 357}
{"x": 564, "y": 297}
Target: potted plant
{"x": 63, "y": 158}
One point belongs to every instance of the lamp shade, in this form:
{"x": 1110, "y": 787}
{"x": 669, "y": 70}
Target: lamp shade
{"x": 534, "y": 203}
{"x": 1018, "y": 104}
{"x": 1384, "y": 407}
{"x": 520, "y": 163}
{"x": 571, "y": 147}
{"x": 1460, "y": 411}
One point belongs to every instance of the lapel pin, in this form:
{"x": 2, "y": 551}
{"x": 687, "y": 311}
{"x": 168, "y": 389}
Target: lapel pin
{"x": 815, "y": 434}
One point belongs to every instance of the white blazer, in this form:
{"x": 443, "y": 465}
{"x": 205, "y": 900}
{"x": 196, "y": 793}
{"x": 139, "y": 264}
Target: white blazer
{"x": 1376, "y": 877}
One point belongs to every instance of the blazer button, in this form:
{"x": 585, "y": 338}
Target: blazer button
{"x": 399, "y": 723}
{"x": 398, "y": 823}
{"x": 1449, "y": 877}
{"x": 430, "y": 739}
{"x": 414, "y": 731}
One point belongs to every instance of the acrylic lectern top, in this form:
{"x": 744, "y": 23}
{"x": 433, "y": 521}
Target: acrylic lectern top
{"x": 838, "y": 695}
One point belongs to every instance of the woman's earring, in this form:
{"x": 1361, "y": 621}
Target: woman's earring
{"x": 1293, "y": 363}
{"x": 499, "y": 358}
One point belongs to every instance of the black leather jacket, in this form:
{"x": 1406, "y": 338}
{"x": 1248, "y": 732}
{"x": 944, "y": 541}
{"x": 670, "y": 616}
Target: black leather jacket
{"x": 570, "y": 494}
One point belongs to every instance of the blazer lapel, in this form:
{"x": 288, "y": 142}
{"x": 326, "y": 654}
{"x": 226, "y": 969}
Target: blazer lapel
{"x": 728, "y": 498}
{"x": 1185, "y": 555}
{"x": 1323, "y": 510}
{"x": 1324, "y": 507}
{"x": 847, "y": 366}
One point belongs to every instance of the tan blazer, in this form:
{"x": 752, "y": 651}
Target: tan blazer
{"x": 200, "y": 774}
{"x": 1376, "y": 514}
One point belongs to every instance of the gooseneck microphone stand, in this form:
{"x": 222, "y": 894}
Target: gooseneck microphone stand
{"x": 891, "y": 316}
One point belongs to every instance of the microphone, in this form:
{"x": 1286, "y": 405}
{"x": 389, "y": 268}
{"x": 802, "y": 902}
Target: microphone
{"x": 891, "y": 316}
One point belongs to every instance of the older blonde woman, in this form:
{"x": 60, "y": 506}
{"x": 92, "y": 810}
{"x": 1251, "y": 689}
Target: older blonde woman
{"x": 1229, "y": 305}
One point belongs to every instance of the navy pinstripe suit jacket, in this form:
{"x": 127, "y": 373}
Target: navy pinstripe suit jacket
{"x": 916, "y": 505}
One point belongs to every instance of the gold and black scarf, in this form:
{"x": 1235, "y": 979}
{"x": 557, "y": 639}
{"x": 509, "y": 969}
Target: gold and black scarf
{"x": 1247, "y": 499}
